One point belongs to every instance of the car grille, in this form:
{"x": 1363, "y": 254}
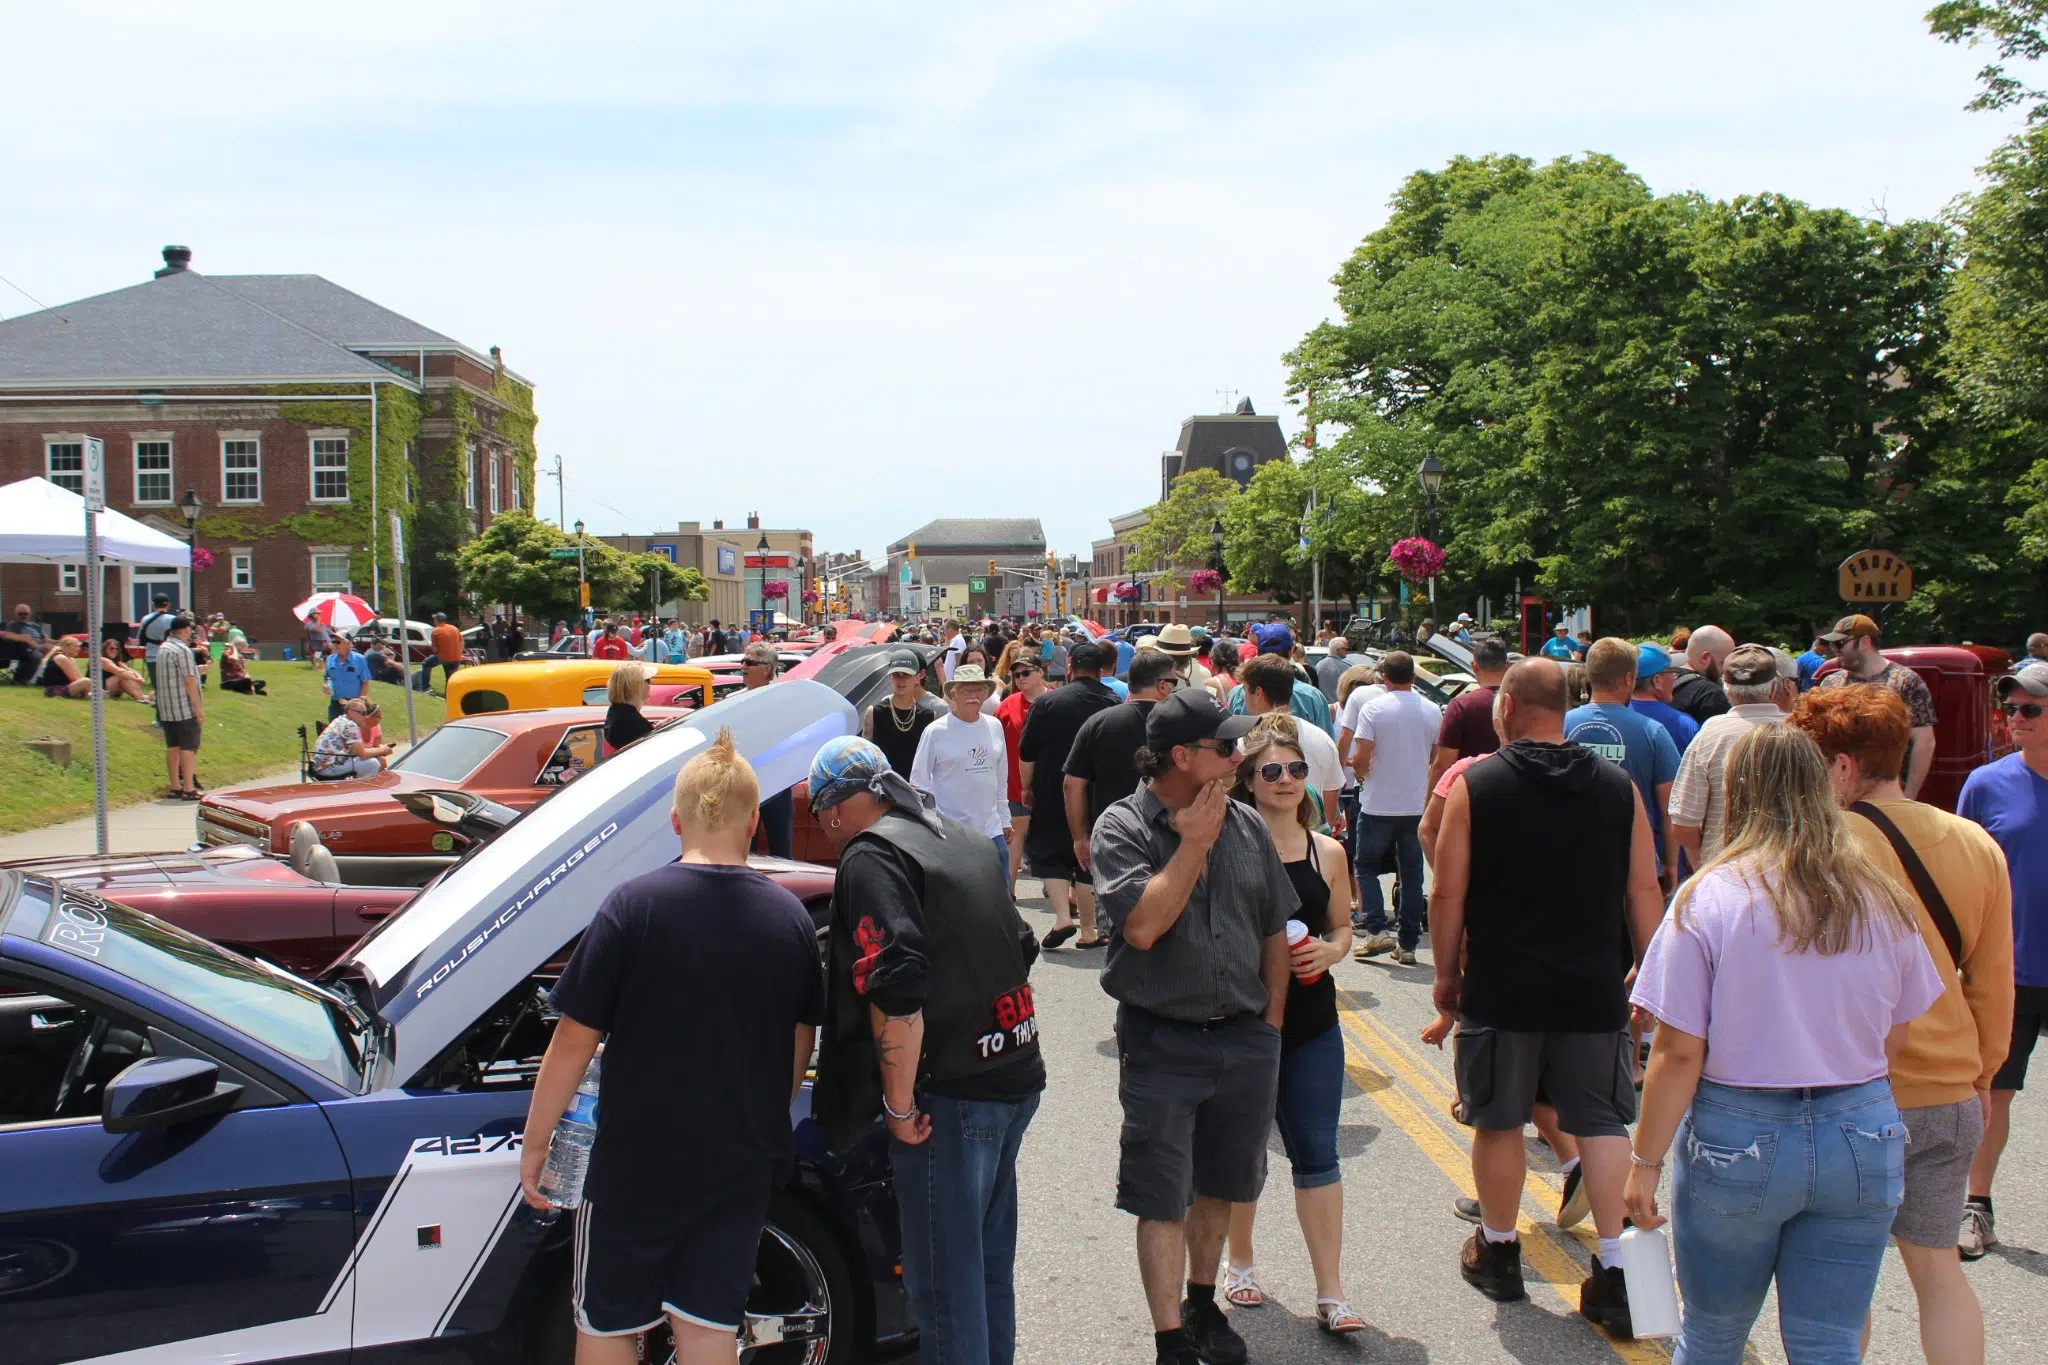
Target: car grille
{"x": 217, "y": 826}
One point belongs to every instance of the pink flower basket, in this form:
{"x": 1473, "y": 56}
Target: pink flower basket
{"x": 775, "y": 590}
{"x": 1416, "y": 558}
{"x": 202, "y": 560}
{"x": 1203, "y": 582}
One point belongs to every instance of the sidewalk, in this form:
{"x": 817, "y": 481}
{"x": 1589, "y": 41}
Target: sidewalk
{"x": 147, "y": 827}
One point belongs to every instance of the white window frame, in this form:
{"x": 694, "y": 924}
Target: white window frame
{"x": 517, "y": 500}
{"x": 241, "y": 566}
{"x": 469, "y": 478}
{"x": 69, "y": 577}
{"x": 255, "y": 439}
{"x": 314, "y": 469}
{"x": 493, "y": 459}
{"x": 73, "y": 479}
{"x": 169, "y": 471}
{"x": 320, "y": 552}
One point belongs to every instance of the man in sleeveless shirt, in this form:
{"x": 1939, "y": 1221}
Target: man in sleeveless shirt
{"x": 1534, "y": 969}
{"x": 896, "y": 725}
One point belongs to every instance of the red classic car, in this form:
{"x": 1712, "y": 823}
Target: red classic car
{"x": 514, "y": 758}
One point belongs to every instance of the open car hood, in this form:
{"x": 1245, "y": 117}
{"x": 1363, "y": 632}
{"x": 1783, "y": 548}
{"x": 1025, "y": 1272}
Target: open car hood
{"x": 495, "y": 918}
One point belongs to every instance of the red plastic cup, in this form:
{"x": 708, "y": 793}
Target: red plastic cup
{"x": 1297, "y": 934}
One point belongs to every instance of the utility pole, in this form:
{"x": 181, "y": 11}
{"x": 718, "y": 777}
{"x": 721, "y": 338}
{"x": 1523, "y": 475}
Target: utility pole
{"x": 561, "y": 494}
{"x": 1316, "y": 569}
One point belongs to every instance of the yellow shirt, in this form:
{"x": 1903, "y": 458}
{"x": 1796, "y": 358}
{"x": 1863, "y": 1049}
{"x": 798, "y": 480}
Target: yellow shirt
{"x": 1958, "y": 1045}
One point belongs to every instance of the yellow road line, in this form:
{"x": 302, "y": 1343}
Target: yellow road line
{"x": 1549, "y": 1261}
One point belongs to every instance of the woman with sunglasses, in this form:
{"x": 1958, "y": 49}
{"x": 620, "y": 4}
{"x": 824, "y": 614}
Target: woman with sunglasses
{"x": 1272, "y": 777}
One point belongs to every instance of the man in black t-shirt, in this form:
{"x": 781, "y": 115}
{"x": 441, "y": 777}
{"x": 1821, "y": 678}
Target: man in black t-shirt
{"x": 702, "y": 979}
{"x": 1102, "y": 765}
{"x": 1050, "y": 728}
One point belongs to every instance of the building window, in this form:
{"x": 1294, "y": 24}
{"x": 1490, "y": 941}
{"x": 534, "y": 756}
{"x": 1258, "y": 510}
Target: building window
{"x": 469, "y": 479}
{"x": 68, "y": 576}
{"x": 241, "y": 471}
{"x": 153, "y": 472}
{"x": 330, "y": 573}
{"x": 517, "y": 500}
{"x": 242, "y": 571}
{"x": 330, "y": 469}
{"x": 494, "y": 485}
{"x": 66, "y": 463}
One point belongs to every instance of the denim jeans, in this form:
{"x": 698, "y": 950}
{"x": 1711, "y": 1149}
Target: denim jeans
{"x": 957, "y": 1192}
{"x": 1347, "y": 802}
{"x": 778, "y": 822}
{"x": 1311, "y": 1089}
{"x": 1796, "y": 1185}
{"x": 1002, "y": 843}
{"x": 1377, "y": 833}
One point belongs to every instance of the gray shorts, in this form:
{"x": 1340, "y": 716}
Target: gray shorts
{"x": 1585, "y": 1075}
{"x": 1941, "y": 1142}
{"x": 1198, "y": 1106}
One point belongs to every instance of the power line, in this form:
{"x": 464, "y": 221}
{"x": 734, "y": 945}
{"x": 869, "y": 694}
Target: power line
{"x": 34, "y": 300}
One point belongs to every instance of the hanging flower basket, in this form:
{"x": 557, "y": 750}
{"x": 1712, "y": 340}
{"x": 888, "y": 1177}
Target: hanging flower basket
{"x": 1202, "y": 582}
{"x": 1125, "y": 592}
{"x": 1416, "y": 559}
{"x": 202, "y": 560}
{"x": 775, "y": 590}
{"x": 810, "y": 597}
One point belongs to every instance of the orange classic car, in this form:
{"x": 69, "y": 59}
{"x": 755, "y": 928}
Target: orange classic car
{"x": 514, "y": 758}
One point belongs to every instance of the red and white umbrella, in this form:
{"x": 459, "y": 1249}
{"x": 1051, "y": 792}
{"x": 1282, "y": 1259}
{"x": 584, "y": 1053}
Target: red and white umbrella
{"x": 336, "y": 610}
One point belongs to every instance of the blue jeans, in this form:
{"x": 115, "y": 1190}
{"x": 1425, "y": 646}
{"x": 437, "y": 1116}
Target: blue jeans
{"x": 957, "y": 1192}
{"x": 1402, "y": 833}
{"x": 1796, "y": 1185}
{"x": 1002, "y": 844}
{"x": 778, "y": 821}
{"x": 1311, "y": 1088}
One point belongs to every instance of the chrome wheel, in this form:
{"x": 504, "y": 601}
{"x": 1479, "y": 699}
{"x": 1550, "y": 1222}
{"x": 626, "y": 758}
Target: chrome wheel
{"x": 789, "y": 1314}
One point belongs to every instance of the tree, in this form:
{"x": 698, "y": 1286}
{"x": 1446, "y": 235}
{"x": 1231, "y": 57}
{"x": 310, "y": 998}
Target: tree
{"x": 2016, "y": 29}
{"x": 1262, "y": 533}
{"x": 1180, "y": 532}
{"x": 438, "y": 530}
{"x": 510, "y": 562}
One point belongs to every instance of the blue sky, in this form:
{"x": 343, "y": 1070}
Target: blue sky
{"x": 855, "y": 266}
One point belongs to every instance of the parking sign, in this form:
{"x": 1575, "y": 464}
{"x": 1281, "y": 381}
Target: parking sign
{"x": 95, "y": 474}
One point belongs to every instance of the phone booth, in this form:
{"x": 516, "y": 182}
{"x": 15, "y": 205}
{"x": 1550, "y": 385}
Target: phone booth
{"x": 1536, "y": 614}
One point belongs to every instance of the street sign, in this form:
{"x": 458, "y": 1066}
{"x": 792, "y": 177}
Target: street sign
{"x": 977, "y": 585}
{"x": 583, "y": 595}
{"x": 397, "y": 540}
{"x": 936, "y": 592}
{"x": 1183, "y": 601}
{"x": 96, "y": 474}
{"x": 1874, "y": 576}
{"x": 563, "y": 552}
{"x": 761, "y": 622}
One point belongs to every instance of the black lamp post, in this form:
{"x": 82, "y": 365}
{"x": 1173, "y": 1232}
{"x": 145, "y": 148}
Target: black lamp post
{"x": 1430, "y": 474}
{"x": 766, "y": 610}
{"x": 191, "y": 506}
{"x": 1216, "y": 563}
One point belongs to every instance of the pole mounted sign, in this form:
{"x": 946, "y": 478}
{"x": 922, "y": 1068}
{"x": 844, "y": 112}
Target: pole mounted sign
{"x": 96, "y": 474}
{"x": 1874, "y": 576}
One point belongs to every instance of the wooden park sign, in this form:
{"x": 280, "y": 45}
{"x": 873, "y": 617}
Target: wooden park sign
{"x": 1874, "y": 576}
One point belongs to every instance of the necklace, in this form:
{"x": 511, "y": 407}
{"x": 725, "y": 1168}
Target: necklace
{"x": 895, "y": 718}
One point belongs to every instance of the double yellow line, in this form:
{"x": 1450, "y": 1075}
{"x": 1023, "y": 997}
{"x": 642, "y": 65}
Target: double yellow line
{"x": 1416, "y": 1097}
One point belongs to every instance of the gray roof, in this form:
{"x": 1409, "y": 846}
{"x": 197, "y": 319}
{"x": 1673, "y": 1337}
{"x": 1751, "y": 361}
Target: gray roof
{"x": 947, "y": 532}
{"x": 340, "y": 315}
{"x": 181, "y": 328}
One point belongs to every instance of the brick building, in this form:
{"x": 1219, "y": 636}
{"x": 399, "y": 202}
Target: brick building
{"x": 261, "y": 397}
{"x": 731, "y": 561}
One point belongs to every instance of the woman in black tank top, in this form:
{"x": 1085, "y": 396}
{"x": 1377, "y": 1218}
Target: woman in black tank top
{"x": 1273, "y": 778}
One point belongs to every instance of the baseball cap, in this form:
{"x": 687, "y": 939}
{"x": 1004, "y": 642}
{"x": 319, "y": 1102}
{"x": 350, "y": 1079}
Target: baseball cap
{"x": 1090, "y": 655}
{"x": 1651, "y": 659}
{"x": 1751, "y": 665}
{"x": 1465, "y": 616}
{"x": 2034, "y": 678}
{"x": 1852, "y": 625}
{"x": 1189, "y": 715}
{"x": 1274, "y": 638}
{"x": 904, "y": 661}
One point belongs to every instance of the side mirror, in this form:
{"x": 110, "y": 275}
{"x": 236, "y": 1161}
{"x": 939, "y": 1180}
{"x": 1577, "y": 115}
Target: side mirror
{"x": 159, "y": 1092}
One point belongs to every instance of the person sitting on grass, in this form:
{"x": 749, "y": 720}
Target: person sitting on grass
{"x": 116, "y": 677}
{"x": 234, "y": 673}
{"x": 341, "y": 750}
{"x": 50, "y": 668}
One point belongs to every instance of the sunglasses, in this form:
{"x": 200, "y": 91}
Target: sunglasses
{"x": 1223, "y": 748}
{"x": 2031, "y": 710}
{"x": 1298, "y": 770}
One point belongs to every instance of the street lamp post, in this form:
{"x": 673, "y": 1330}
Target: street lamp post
{"x": 190, "y": 506}
{"x": 582, "y": 583}
{"x": 1216, "y": 563}
{"x": 766, "y": 613}
{"x": 1430, "y": 474}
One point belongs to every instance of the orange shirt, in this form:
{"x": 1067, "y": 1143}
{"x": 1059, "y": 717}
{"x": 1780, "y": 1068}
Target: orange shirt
{"x": 447, "y": 643}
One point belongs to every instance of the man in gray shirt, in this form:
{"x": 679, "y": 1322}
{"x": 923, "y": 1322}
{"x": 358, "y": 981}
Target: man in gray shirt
{"x": 1196, "y": 903}
{"x": 1331, "y": 670}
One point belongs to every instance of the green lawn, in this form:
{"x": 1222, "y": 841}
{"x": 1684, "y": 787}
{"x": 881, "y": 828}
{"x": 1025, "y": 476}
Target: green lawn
{"x": 245, "y": 737}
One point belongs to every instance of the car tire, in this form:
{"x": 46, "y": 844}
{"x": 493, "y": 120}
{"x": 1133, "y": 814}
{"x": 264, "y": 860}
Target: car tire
{"x": 802, "y": 1265}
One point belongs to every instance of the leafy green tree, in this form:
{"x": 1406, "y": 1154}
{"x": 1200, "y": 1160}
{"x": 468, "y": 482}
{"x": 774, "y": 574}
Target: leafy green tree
{"x": 1262, "y": 533}
{"x": 2015, "y": 29}
{"x": 438, "y": 530}
{"x": 1179, "y": 536}
{"x": 510, "y": 562}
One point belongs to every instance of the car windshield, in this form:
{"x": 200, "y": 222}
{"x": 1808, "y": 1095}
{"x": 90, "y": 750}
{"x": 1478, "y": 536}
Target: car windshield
{"x": 276, "y": 1010}
{"x": 451, "y": 753}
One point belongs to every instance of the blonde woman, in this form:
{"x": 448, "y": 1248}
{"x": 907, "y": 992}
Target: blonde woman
{"x": 1782, "y": 980}
{"x": 627, "y": 693}
{"x": 1272, "y": 777}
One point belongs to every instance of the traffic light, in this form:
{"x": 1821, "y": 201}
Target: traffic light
{"x": 991, "y": 568}
{"x": 910, "y": 549}
{"x": 1051, "y": 564}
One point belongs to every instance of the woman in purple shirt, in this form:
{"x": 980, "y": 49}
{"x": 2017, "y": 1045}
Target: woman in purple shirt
{"x": 1782, "y": 980}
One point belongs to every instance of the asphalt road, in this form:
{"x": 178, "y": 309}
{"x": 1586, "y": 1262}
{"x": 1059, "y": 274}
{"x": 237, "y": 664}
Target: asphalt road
{"x": 1404, "y": 1160}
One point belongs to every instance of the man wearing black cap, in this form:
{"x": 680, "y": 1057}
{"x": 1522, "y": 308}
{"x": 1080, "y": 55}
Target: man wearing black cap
{"x": 896, "y": 725}
{"x": 1197, "y": 903}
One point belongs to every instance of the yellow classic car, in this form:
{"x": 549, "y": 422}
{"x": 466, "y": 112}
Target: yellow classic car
{"x": 533, "y": 686}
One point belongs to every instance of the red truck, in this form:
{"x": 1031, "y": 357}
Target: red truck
{"x": 1968, "y": 731}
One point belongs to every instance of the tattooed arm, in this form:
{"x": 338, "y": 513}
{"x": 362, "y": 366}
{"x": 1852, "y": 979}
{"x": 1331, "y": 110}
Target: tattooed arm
{"x": 899, "y": 1044}
{"x": 884, "y": 894}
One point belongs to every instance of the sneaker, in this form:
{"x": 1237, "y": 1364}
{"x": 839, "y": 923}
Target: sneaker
{"x": 1179, "y": 1355}
{"x": 1979, "y": 1232}
{"x": 1492, "y": 1268}
{"x": 1403, "y": 957}
{"x": 1576, "y": 1205}
{"x": 1215, "y": 1340}
{"x": 1374, "y": 945}
{"x": 1603, "y": 1301}
{"x": 1467, "y": 1209}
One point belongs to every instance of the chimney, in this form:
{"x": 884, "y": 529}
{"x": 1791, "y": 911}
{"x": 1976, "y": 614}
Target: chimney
{"x": 718, "y": 525}
{"x": 177, "y": 260}
{"x": 753, "y": 521}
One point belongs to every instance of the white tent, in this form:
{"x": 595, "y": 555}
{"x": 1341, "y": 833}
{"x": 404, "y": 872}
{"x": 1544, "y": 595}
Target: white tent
{"x": 41, "y": 523}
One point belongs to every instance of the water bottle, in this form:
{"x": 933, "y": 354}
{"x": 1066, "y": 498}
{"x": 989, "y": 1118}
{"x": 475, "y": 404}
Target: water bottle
{"x": 561, "y": 1180}
{"x": 1652, "y": 1292}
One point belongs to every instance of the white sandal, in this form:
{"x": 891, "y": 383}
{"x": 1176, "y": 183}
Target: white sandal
{"x": 1241, "y": 1289}
{"x": 1335, "y": 1317}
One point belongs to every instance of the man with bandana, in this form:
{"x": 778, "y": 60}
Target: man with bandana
{"x": 930, "y": 1025}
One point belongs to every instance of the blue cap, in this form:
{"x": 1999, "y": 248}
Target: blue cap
{"x": 1274, "y": 638}
{"x": 1651, "y": 659}
{"x": 845, "y": 766}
